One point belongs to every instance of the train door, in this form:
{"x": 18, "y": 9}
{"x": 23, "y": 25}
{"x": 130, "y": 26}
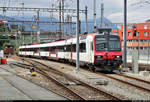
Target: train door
{"x": 56, "y": 53}
{"x": 67, "y": 50}
{"x": 67, "y": 53}
{"x": 91, "y": 52}
{"x": 82, "y": 53}
{"x": 49, "y": 52}
{"x": 33, "y": 51}
{"x": 71, "y": 52}
{"x": 39, "y": 53}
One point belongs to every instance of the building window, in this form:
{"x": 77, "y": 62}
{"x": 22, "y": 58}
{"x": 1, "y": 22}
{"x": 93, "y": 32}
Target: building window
{"x": 145, "y": 26}
{"x": 129, "y": 33}
{"x": 130, "y": 27}
{"x": 145, "y": 33}
{"x": 141, "y": 48}
{"x": 137, "y": 33}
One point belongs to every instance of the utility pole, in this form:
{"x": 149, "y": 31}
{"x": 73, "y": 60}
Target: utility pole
{"x": 124, "y": 35}
{"x": 94, "y": 15}
{"x": 70, "y": 20}
{"x": 86, "y": 20}
{"x": 77, "y": 37}
{"x": 59, "y": 19}
{"x": 38, "y": 30}
{"x": 102, "y": 15}
{"x": 4, "y": 17}
{"x": 22, "y": 35}
{"x": 4, "y": 13}
{"x": 63, "y": 18}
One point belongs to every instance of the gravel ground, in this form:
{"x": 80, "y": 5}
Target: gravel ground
{"x": 138, "y": 83}
{"x": 147, "y": 78}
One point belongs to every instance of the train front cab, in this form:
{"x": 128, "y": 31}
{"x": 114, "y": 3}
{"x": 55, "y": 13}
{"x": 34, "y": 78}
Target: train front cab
{"x": 107, "y": 53}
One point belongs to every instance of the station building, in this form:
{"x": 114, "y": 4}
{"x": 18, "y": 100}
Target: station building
{"x": 138, "y": 37}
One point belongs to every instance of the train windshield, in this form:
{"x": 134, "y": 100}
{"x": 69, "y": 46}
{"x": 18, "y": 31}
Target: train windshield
{"x": 107, "y": 44}
{"x": 100, "y": 44}
{"x": 114, "y": 44}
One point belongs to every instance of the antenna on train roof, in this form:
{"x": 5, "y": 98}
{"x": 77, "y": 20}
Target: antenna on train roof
{"x": 104, "y": 30}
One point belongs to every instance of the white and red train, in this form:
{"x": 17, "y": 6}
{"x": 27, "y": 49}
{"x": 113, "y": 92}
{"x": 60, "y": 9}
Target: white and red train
{"x": 96, "y": 51}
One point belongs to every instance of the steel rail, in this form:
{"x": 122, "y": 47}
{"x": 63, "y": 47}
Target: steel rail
{"x": 131, "y": 84}
{"x": 147, "y": 82}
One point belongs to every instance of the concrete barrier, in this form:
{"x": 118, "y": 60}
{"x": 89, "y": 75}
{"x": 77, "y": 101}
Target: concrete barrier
{"x": 135, "y": 66}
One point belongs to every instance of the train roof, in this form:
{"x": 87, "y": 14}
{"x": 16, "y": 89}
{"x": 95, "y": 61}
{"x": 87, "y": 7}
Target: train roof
{"x": 66, "y": 42}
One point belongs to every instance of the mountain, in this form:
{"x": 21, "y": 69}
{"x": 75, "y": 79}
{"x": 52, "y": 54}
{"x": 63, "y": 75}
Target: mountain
{"x": 55, "y": 27}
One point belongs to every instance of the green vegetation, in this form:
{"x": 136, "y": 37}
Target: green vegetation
{"x": 27, "y": 40}
{"x": 4, "y": 27}
{"x": 5, "y": 44}
{"x": 22, "y": 28}
{"x": 14, "y": 26}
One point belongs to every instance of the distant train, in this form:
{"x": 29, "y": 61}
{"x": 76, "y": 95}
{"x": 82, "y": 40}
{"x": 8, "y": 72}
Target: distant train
{"x": 8, "y": 50}
{"x": 97, "y": 50}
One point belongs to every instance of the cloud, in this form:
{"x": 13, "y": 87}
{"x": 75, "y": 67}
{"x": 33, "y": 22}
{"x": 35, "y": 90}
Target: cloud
{"x": 113, "y": 9}
{"x": 134, "y": 15}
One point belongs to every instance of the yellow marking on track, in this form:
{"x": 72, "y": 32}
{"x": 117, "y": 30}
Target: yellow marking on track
{"x": 62, "y": 67}
{"x": 33, "y": 73}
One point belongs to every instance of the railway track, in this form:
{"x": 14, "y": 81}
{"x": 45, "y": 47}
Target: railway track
{"x": 129, "y": 83}
{"x": 53, "y": 79}
{"x": 90, "y": 92}
{"x": 140, "y": 84}
{"x": 126, "y": 76}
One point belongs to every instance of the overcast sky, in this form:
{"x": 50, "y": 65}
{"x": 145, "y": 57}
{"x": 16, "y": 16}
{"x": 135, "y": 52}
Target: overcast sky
{"x": 138, "y": 10}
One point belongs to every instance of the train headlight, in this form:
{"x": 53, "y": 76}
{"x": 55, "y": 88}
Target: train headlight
{"x": 99, "y": 57}
{"x": 117, "y": 56}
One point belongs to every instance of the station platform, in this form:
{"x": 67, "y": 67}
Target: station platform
{"x": 13, "y": 87}
{"x": 142, "y": 60}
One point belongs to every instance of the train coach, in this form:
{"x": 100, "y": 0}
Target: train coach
{"x": 8, "y": 50}
{"x": 97, "y": 50}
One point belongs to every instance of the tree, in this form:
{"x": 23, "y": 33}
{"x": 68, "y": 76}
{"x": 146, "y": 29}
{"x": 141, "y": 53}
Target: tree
{"x": 27, "y": 40}
{"x": 5, "y": 44}
{"x": 4, "y": 27}
{"x": 22, "y": 28}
